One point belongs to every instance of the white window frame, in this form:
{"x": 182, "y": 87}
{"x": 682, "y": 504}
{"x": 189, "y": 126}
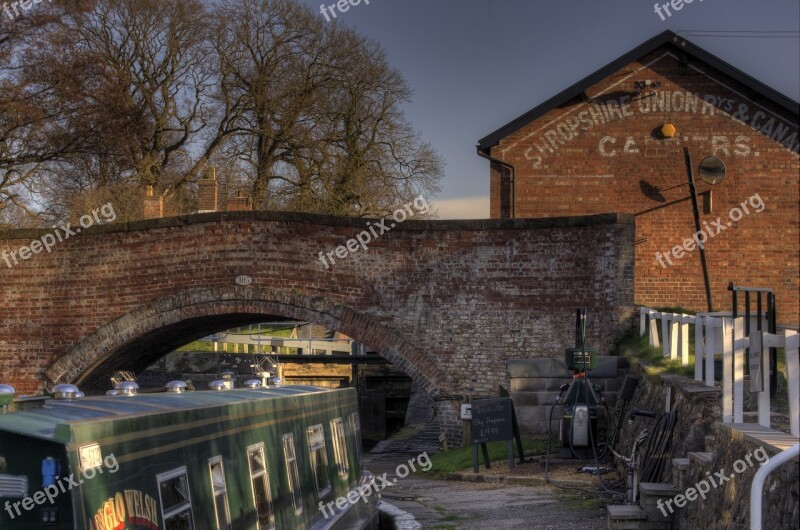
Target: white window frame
{"x": 340, "y": 447}
{"x": 258, "y": 474}
{"x": 162, "y": 477}
{"x": 224, "y": 492}
{"x": 323, "y": 449}
{"x": 292, "y": 470}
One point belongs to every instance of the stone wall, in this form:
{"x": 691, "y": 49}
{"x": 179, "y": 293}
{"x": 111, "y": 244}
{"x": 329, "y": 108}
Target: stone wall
{"x": 698, "y": 408}
{"x": 698, "y": 430}
{"x": 535, "y": 385}
{"x": 731, "y": 501}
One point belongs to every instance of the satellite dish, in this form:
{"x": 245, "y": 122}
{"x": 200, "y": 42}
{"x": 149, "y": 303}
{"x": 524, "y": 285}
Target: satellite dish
{"x": 712, "y": 170}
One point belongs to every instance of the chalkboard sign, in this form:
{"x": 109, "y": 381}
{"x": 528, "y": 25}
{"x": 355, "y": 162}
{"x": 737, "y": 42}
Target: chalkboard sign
{"x": 492, "y": 420}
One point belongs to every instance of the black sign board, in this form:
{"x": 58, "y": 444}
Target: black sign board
{"x": 491, "y": 420}
{"x": 494, "y": 420}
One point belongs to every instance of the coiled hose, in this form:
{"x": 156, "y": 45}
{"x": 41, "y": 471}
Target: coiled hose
{"x": 655, "y": 457}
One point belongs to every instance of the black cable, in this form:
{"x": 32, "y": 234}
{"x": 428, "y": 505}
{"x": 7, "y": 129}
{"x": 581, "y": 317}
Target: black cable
{"x": 618, "y": 426}
{"x": 594, "y": 451}
{"x": 655, "y": 458}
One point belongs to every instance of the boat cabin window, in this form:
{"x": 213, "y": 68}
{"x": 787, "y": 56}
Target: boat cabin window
{"x": 319, "y": 459}
{"x": 176, "y": 502}
{"x": 262, "y": 494}
{"x": 220, "y": 492}
{"x": 340, "y": 447}
{"x": 292, "y": 472}
{"x": 355, "y": 428}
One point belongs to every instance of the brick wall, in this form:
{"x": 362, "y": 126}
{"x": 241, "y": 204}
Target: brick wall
{"x": 604, "y": 153}
{"x": 448, "y": 302}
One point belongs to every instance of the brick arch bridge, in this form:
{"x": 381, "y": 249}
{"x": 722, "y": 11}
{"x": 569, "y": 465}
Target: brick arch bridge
{"x": 448, "y": 302}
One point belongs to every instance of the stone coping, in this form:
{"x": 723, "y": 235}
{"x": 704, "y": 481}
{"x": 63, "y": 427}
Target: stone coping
{"x": 553, "y": 367}
{"x": 330, "y": 220}
{"x": 685, "y": 384}
{"x": 773, "y": 441}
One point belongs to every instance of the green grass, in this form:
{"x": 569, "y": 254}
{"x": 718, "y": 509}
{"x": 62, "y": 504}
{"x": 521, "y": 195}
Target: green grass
{"x": 632, "y": 345}
{"x": 265, "y": 330}
{"x": 459, "y": 459}
{"x": 204, "y": 346}
{"x": 197, "y": 346}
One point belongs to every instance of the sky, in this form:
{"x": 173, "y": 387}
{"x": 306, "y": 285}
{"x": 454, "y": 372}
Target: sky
{"x": 475, "y": 65}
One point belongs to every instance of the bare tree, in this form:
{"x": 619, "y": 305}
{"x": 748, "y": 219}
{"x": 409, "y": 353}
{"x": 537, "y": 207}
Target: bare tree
{"x": 106, "y": 97}
{"x": 376, "y": 160}
{"x": 31, "y": 132}
{"x": 322, "y": 129}
{"x": 144, "y": 74}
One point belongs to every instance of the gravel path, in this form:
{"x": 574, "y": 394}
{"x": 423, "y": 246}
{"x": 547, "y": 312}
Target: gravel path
{"x": 450, "y": 505}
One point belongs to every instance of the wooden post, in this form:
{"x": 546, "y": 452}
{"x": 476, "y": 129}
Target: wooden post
{"x": 699, "y": 322}
{"x": 740, "y": 344}
{"x": 683, "y": 345}
{"x": 727, "y": 370}
{"x": 674, "y": 335}
{"x": 653, "y": 335}
{"x": 643, "y": 321}
{"x": 710, "y": 348}
{"x": 757, "y": 377}
{"x": 792, "y": 340}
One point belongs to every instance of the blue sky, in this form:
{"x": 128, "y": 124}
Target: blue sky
{"x": 474, "y": 65}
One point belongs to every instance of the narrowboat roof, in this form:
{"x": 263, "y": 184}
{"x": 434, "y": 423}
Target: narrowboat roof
{"x": 44, "y": 421}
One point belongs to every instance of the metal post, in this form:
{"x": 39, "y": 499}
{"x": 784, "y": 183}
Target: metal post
{"x": 693, "y": 190}
{"x": 747, "y": 317}
{"x": 772, "y": 324}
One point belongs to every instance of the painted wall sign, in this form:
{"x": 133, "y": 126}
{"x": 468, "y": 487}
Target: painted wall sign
{"x": 244, "y": 280}
{"x": 612, "y": 146}
{"x": 133, "y": 509}
{"x": 571, "y": 127}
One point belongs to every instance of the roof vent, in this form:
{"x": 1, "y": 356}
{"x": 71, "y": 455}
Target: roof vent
{"x": 218, "y": 385}
{"x": 176, "y": 387}
{"x": 252, "y": 383}
{"x": 127, "y": 388}
{"x": 229, "y": 377}
{"x": 7, "y": 389}
{"x": 79, "y": 395}
{"x": 112, "y": 392}
{"x": 66, "y": 391}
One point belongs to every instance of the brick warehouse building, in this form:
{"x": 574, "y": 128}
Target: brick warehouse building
{"x": 598, "y": 147}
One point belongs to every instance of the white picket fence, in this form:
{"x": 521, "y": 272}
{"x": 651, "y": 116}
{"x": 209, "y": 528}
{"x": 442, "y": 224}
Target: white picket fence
{"x": 716, "y": 334}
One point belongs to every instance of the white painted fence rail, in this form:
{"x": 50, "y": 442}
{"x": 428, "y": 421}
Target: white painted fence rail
{"x": 716, "y": 334}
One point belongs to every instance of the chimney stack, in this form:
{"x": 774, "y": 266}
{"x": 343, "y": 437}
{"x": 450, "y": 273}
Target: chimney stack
{"x": 207, "y": 192}
{"x": 240, "y": 203}
{"x": 153, "y": 206}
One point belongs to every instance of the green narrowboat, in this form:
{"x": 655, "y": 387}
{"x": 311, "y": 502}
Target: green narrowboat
{"x": 233, "y": 459}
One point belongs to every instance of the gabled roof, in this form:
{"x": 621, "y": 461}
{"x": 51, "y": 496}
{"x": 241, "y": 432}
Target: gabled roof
{"x": 665, "y": 38}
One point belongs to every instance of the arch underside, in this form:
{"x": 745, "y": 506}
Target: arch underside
{"x": 139, "y": 338}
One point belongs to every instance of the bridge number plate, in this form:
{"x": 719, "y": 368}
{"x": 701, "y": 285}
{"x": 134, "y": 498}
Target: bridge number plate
{"x": 90, "y": 456}
{"x": 244, "y": 280}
